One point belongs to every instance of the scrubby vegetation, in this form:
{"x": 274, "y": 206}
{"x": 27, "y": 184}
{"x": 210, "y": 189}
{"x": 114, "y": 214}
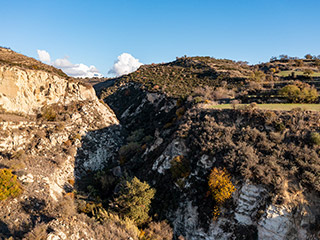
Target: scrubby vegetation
{"x": 157, "y": 231}
{"x": 201, "y": 79}
{"x": 181, "y": 77}
{"x": 252, "y": 146}
{"x": 136, "y": 142}
{"x": 220, "y": 187}
{"x": 242, "y": 143}
{"x": 9, "y": 185}
{"x": 257, "y": 76}
{"x": 300, "y": 93}
{"x": 128, "y": 208}
{"x": 128, "y": 150}
{"x": 180, "y": 167}
{"x": 49, "y": 113}
{"x": 186, "y": 155}
{"x": 315, "y": 138}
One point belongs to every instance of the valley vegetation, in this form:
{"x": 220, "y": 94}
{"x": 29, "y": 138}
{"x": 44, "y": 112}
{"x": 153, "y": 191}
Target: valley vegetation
{"x": 193, "y": 133}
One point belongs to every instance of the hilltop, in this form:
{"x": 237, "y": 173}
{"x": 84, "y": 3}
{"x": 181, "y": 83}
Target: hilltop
{"x": 9, "y": 57}
{"x": 180, "y": 78}
{"x": 221, "y": 80}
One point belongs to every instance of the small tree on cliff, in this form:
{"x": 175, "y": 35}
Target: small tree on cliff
{"x": 134, "y": 200}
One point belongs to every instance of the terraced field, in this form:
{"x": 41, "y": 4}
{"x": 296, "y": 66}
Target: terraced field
{"x": 280, "y": 107}
{"x": 297, "y": 73}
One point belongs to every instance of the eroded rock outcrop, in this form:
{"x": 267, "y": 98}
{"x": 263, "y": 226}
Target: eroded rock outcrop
{"x": 48, "y": 155}
{"x": 26, "y": 91}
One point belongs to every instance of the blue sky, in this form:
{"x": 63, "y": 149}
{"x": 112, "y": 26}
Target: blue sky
{"x": 97, "y": 32}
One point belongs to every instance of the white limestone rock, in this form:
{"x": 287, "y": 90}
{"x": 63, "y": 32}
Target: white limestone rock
{"x": 250, "y": 199}
{"x": 176, "y": 148}
{"x": 276, "y": 223}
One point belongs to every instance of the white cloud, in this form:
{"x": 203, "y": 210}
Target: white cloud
{"x": 44, "y": 56}
{"x": 74, "y": 70}
{"x": 125, "y": 64}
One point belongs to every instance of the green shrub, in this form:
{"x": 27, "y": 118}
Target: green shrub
{"x": 299, "y": 62}
{"x": 136, "y": 136}
{"x": 198, "y": 100}
{"x": 315, "y": 138}
{"x": 309, "y": 94}
{"x": 258, "y": 76}
{"x": 9, "y": 185}
{"x": 147, "y": 139}
{"x": 134, "y": 200}
{"x": 299, "y": 93}
{"x": 308, "y": 56}
{"x": 291, "y": 92}
{"x": 180, "y": 167}
{"x": 128, "y": 151}
{"x": 49, "y": 114}
{"x": 280, "y": 126}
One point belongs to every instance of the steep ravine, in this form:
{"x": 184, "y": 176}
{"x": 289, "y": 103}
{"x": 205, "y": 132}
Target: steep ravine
{"x": 254, "y": 211}
{"x": 55, "y": 134}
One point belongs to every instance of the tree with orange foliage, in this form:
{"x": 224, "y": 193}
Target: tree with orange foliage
{"x": 220, "y": 187}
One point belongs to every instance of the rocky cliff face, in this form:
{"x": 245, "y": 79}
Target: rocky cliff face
{"x": 49, "y": 159}
{"x": 26, "y": 91}
{"x": 50, "y": 156}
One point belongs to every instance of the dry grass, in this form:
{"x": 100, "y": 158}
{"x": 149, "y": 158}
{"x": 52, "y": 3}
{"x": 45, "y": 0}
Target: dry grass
{"x": 280, "y": 107}
{"x": 11, "y": 58}
{"x": 297, "y": 73}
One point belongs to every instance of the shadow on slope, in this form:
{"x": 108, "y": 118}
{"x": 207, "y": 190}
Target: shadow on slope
{"x": 99, "y": 150}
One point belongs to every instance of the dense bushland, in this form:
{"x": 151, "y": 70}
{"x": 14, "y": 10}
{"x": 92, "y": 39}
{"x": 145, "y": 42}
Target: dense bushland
{"x": 260, "y": 146}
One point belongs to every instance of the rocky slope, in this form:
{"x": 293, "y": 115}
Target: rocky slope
{"x": 26, "y": 90}
{"x": 276, "y": 196}
{"x": 73, "y": 133}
